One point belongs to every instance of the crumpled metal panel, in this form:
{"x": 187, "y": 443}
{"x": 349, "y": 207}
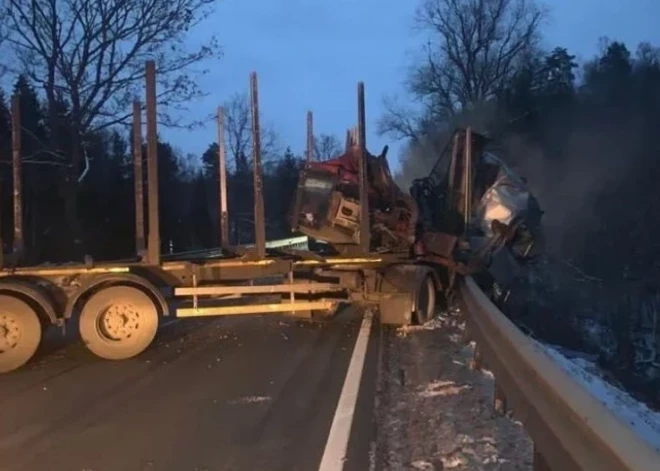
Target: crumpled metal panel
{"x": 506, "y": 200}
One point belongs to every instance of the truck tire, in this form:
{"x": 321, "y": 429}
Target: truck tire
{"x": 425, "y": 301}
{"x": 20, "y": 333}
{"x": 118, "y": 322}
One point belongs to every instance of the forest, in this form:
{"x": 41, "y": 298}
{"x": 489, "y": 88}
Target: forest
{"x": 72, "y": 93}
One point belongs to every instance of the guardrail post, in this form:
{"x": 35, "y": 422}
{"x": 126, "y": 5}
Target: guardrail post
{"x": 539, "y": 462}
{"x": 477, "y": 359}
{"x": 499, "y": 400}
{"x": 466, "y": 337}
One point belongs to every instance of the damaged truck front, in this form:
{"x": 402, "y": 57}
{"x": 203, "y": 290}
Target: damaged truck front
{"x": 475, "y": 214}
{"x": 471, "y": 214}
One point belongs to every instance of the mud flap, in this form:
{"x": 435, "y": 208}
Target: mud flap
{"x": 396, "y": 308}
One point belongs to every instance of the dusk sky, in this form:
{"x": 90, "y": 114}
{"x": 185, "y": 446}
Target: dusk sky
{"x": 310, "y": 54}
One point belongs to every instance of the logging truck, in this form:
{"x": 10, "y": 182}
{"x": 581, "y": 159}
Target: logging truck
{"x": 402, "y": 258}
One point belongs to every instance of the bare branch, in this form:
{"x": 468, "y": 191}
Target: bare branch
{"x": 327, "y": 146}
{"x": 475, "y": 49}
{"x": 398, "y": 121}
{"x": 4, "y": 32}
{"x": 238, "y": 129}
{"x": 92, "y": 52}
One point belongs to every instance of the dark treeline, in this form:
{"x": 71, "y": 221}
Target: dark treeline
{"x": 591, "y": 151}
{"x": 77, "y": 83}
{"x": 585, "y": 134}
{"x": 189, "y": 192}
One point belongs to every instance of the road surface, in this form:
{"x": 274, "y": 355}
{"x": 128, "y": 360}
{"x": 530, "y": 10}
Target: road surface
{"x": 245, "y": 393}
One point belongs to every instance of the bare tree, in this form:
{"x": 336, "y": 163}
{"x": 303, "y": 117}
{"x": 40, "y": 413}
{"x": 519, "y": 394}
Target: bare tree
{"x": 90, "y": 54}
{"x": 327, "y": 146}
{"x": 4, "y": 53}
{"x": 474, "y": 49}
{"x": 238, "y": 129}
{"x": 400, "y": 121}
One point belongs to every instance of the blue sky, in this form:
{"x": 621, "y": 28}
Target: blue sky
{"x": 310, "y": 54}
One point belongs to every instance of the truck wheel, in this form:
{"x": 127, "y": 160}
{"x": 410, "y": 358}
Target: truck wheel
{"x": 118, "y": 322}
{"x": 425, "y": 301}
{"x": 20, "y": 333}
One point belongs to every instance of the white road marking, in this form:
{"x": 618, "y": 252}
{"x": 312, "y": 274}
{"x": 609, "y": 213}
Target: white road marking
{"x": 335, "y": 448}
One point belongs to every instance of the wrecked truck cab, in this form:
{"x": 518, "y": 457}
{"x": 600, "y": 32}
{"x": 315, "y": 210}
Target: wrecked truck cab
{"x": 506, "y": 198}
{"x": 475, "y": 213}
{"x": 327, "y": 206}
{"x": 471, "y": 214}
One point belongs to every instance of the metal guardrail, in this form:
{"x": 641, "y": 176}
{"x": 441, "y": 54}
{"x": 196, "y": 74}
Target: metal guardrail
{"x": 570, "y": 428}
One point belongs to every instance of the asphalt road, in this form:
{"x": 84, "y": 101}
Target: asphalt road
{"x": 245, "y": 393}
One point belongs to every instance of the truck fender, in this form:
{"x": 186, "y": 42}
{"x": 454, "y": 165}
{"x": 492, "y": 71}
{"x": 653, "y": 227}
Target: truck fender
{"x": 113, "y": 280}
{"x": 35, "y": 293}
{"x": 403, "y": 277}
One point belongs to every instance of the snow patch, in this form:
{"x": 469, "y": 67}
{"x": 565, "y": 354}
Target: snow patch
{"x": 640, "y": 418}
{"x": 423, "y": 465}
{"x": 251, "y": 400}
{"x": 434, "y": 324}
{"x": 440, "y": 321}
{"x": 442, "y": 388}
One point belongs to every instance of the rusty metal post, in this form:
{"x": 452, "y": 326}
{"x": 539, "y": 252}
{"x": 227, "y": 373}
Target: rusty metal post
{"x": 259, "y": 217}
{"x": 539, "y": 463}
{"x": 467, "y": 174}
{"x": 477, "y": 359}
{"x": 365, "y": 234}
{"x": 222, "y": 169}
{"x": 499, "y": 400}
{"x": 17, "y": 176}
{"x": 310, "y": 136}
{"x": 138, "y": 180}
{"x": 466, "y": 337}
{"x": 153, "y": 244}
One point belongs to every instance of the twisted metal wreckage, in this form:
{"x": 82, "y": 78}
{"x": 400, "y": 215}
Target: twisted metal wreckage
{"x": 494, "y": 229}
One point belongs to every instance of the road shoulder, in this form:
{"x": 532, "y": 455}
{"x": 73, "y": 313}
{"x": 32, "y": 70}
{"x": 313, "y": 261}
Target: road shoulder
{"x": 434, "y": 412}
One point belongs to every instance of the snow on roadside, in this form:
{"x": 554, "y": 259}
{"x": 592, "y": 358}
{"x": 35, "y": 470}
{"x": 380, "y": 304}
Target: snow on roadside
{"x": 643, "y": 421}
{"x": 435, "y": 413}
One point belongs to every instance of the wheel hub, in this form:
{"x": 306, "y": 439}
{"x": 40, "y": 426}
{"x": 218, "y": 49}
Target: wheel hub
{"x": 9, "y": 332}
{"x": 119, "y": 321}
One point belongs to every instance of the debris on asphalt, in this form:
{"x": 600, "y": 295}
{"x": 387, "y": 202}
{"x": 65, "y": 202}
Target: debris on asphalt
{"x": 440, "y": 416}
